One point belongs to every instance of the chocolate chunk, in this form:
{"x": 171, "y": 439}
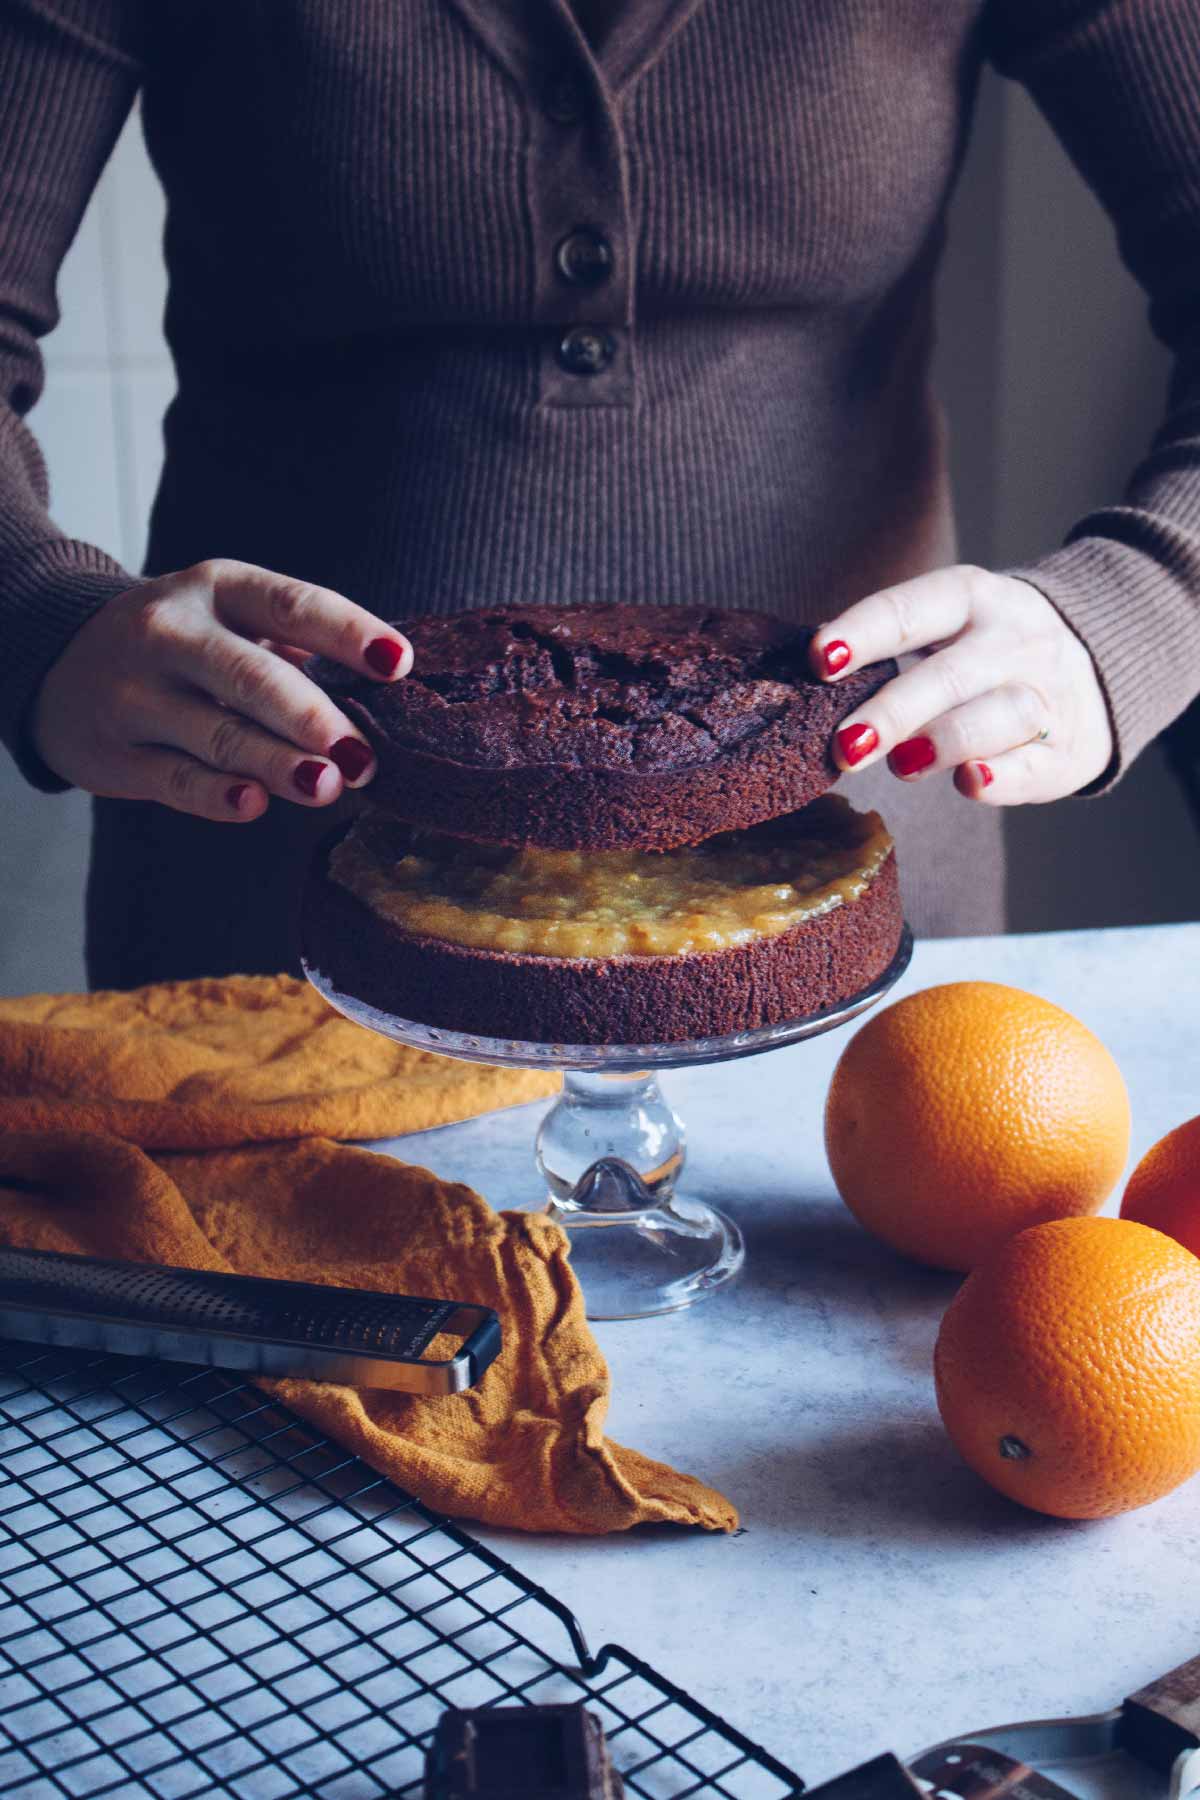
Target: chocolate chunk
{"x": 520, "y": 1753}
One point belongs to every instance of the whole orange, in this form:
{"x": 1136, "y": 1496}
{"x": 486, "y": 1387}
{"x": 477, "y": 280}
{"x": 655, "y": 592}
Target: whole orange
{"x": 1164, "y": 1189}
{"x": 963, "y": 1113}
{"x": 1068, "y": 1367}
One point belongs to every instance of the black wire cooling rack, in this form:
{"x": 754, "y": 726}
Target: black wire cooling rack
{"x": 201, "y": 1597}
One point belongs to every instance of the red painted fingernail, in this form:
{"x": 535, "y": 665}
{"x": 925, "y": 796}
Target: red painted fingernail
{"x": 307, "y": 775}
{"x": 836, "y": 655}
{"x": 857, "y": 741}
{"x": 236, "y": 794}
{"x": 913, "y": 755}
{"x": 985, "y": 774}
{"x": 384, "y": 655}
{"x": 352, "y": 757}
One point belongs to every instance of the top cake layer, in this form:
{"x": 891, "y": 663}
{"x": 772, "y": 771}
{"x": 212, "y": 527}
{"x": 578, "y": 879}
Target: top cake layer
{"x": 600, "y": 727}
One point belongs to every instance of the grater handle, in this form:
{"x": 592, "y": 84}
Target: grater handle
{"x": 1161, "y": 1721}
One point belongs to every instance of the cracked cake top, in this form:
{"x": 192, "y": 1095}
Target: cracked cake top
{"x": 541, "y": 724}
{"x": 604, "y": 687}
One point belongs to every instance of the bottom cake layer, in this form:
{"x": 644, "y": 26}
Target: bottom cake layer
{"x": 601, "y": 1000}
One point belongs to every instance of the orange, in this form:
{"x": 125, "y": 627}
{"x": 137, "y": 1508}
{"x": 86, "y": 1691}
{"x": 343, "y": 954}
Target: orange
{"x": 1164, "y": 1189}
{"x": 1068, "y": 1367}
{"x": 961, "y": 1114}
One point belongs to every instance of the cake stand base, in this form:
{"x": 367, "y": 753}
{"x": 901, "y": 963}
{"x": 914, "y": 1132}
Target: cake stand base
{"x": 611, "y": 1150}
{"x": 657, "y": 1261}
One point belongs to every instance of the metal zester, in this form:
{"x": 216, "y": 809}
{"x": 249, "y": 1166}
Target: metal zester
{"x": 244, "y": 1322}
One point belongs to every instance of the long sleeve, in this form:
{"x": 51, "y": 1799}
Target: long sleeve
{"x": 1119, "y": 81}
{"x": 69, "y": 70}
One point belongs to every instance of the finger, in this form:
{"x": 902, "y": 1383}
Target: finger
{"x": 187, "y": 786}
{"x": 909, "y": 616}
{"x": 997, "y": 721}
{"x": 1028, "y": 776}
{"x": 261, "y": 604}
{"x": 291, "y": 653}
{"x": 912, "y": 701}
{"x": 265, "y": 689}
{"x": 227, "y": 741}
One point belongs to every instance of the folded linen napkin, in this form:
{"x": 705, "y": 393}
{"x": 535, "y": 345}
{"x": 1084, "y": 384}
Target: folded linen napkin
{"x": 238, "y": 1086}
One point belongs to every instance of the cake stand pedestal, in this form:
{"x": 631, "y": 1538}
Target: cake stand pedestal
{"x": 611, "y": 1150}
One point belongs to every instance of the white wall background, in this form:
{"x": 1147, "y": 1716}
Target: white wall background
{"x": 1055, "y": 386}
{"x": 1052, "y": 383}
{"x": 108, "y": 382}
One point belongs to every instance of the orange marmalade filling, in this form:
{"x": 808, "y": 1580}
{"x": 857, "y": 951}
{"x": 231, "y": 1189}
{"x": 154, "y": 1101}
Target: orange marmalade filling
{"x": 729, "y": 890}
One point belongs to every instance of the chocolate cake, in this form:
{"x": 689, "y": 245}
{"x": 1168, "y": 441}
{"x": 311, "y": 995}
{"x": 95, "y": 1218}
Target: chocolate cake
{"x": 769, "y": 964}
{"x": 600, "y": 727}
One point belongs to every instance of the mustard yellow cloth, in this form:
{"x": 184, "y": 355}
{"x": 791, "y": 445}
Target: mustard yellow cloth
{"x": 238, "y": 1087}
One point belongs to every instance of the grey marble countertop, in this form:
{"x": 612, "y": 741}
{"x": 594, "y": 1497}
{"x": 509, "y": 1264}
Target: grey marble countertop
{"x": 879, "y": 1596}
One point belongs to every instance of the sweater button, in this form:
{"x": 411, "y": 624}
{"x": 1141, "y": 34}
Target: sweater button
{"x": 586, "y": 350}
{"x": 584, "y": 258}
{"x": 563, "y": 99}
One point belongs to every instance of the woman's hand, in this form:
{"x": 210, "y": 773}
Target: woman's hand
{"x": 187, "y": 690}
{"x": 1005, "y": 694}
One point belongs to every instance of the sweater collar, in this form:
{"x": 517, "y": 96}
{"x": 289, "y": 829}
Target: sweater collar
{"x": 533, "y": 39}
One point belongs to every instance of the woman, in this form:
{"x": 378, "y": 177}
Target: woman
{"x": 477, "y": 301}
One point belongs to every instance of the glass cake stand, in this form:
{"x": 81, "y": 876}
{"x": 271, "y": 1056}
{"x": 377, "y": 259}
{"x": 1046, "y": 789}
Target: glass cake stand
{"x": 611, "y": 1150}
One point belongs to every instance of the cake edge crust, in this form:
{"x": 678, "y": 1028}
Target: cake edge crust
{"x": 552, "y": 807}
{"x": 806, "y": 969}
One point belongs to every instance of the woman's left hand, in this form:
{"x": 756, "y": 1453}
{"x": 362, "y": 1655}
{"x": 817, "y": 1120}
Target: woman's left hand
{"x": 1005, "y": 694}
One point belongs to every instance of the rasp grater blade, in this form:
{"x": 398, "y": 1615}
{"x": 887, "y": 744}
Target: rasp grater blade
{"x": 244, "y": 1322}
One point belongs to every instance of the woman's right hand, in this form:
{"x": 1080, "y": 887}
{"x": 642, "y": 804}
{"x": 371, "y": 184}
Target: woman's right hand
{"x": 188, "y": 690}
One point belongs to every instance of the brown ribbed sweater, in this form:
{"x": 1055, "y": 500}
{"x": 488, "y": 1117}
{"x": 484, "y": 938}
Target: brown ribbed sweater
{"x": 386, "y": 383}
